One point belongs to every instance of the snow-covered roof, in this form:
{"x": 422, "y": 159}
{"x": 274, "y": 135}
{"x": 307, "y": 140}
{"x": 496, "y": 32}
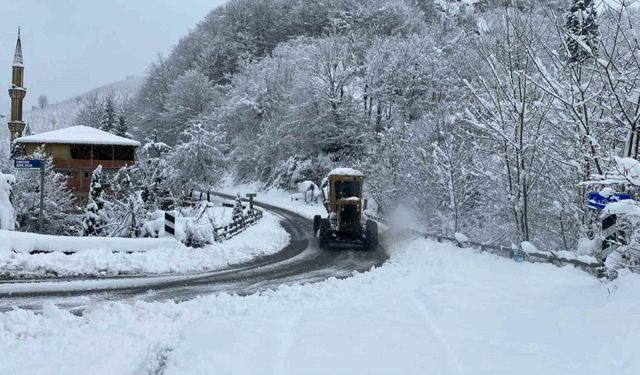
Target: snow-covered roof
{"x": 345, "y": 172}
{"x": 78, "y": 135}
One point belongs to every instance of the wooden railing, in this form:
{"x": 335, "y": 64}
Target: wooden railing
{"x": 89, "y": 165}
{"x": 236, "y": 226}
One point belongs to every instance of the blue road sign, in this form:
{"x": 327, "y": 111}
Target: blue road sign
{"x": 28, "y": 163}
{"x": 598, "y": 201}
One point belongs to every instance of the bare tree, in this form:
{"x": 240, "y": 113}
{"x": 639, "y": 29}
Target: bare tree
{"x": 43, "y": 101}
{"x": 510, "y": 112}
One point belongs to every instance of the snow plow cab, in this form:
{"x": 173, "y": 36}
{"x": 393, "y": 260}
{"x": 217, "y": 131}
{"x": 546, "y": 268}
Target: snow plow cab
{"x": 344, "y": 224}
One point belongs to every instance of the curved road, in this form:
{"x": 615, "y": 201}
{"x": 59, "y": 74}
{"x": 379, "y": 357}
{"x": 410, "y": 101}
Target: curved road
{"x": 300, "y": 261}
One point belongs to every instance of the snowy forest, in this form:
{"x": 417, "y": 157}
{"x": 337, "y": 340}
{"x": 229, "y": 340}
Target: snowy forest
{"x": 492, "y": 118}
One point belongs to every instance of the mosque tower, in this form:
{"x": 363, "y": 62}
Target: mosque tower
{"x": 17, "y": 93}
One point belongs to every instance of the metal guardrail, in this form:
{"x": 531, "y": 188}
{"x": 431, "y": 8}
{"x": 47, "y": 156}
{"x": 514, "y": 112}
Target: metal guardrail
{"x": 597, "y": 269}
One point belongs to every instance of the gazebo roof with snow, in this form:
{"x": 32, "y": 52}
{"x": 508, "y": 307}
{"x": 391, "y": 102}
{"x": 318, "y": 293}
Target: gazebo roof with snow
{"x": 78, "y": 135}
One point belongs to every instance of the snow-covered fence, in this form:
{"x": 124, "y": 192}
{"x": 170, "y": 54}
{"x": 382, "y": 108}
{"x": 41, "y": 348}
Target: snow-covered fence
{"x": 591, "y": 266}
{"x": 239, "y": 224}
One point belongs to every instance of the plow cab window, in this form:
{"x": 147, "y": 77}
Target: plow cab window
{"x": 347, "y": 189}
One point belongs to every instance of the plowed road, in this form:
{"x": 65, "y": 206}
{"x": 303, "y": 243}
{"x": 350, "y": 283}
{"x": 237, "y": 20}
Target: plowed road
{"x": 300, "y": 261}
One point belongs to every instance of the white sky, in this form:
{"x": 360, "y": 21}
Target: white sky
{"x": 72, "y": 46}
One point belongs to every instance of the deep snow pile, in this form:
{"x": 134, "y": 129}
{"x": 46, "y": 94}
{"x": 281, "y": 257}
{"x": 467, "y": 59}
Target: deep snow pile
{"x": 433, "y": 309}
{"x": 23, "y": 242}
{"x": 167, "y": 255}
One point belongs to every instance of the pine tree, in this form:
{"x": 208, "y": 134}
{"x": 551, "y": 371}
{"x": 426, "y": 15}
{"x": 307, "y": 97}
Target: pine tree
{"x": 59, "y": 201}
{"x": 121, "y": 127}
{"x": 583, "y": 35}
{"x": 151, "y": 172}
{"x": 237, "y": 214}
{"x": 93, "y": 221}
{"x": 108, "y": 122}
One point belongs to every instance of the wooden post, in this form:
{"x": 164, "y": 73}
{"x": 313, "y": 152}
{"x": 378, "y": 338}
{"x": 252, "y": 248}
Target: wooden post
{"x": 251, "y": 196}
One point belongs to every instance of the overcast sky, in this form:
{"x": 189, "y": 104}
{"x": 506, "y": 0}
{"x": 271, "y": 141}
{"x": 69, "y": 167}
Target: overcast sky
{"x": 73, "y": 46}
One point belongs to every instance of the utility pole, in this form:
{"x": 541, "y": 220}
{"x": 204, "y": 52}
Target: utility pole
{"x": 42, "y": 196}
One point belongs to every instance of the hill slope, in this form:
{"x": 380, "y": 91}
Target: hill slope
{"x": 62, "y": 114}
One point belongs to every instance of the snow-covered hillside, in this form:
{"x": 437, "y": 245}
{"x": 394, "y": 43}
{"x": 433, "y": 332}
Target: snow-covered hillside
{"x": 62, "y": 114}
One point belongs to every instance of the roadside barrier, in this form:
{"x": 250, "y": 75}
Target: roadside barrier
{"x": 238, "y": 225}
{"x": 596, "y": 268}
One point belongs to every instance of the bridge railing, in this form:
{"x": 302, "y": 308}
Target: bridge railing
{"x": 238, "y": 225}
{"x": 595, "y": 268}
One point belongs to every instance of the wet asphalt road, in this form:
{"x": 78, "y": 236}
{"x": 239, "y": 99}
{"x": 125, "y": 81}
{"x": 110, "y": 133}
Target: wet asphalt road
{"x": 302, "y": 261}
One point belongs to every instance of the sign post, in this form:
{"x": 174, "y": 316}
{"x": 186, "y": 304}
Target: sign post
{"x": 34, "y": 165}
{"x": 251, "y": 196}
{"x": 610, "y": 231}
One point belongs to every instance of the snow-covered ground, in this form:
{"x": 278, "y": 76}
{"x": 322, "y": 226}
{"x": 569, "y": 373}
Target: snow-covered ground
{"x": 161, "y": 255}
{"x": 432, "y": 309}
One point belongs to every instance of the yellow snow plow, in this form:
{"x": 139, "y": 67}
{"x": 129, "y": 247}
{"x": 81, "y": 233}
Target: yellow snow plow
{"x": 345, "y": 223}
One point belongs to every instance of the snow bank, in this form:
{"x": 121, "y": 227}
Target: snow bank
{"x": 23, "y": 242}
{"x": 163, "y": 255}
{"x": 433, "y": 309}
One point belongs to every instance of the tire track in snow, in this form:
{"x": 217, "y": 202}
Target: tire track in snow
{"x": 420, "y": 300}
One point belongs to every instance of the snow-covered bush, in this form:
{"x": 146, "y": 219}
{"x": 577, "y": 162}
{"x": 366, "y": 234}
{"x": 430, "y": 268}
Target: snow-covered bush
{"x": 7, "y": 213}
{"x": 126, "y": 211}
{"x": 189, "y": 230}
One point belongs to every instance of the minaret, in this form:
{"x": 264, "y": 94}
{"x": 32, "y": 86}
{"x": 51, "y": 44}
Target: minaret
{"x": 17, "y": 92}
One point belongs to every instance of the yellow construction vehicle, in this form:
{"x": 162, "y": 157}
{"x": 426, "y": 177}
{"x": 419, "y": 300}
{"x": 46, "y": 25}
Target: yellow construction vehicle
{"x": 345, "y": 223}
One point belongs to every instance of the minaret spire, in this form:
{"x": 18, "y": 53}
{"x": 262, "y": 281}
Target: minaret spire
{"x": 17, "y": 93}
{"x": 17, "y": 56}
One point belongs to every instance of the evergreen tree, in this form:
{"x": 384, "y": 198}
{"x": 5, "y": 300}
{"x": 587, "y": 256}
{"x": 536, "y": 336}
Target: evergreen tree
{"x": 94, "y": 220}
{"x": 108, "y": 122}
{"x": 152, "y": 172}
{"x": 237, "y": 214}
{"x": 582, "y": 30}
{"x": 59, "y": 201}
{"x": 121, "y": 127}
